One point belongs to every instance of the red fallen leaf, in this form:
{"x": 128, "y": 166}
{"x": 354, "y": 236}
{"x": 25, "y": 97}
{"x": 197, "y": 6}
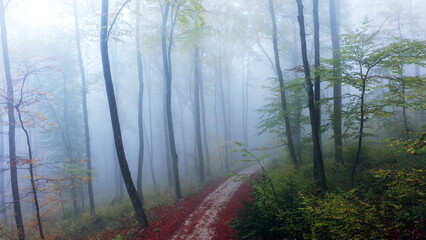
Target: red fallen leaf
{"x": 169, "y": 219}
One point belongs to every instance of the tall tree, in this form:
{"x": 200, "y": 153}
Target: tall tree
{"x": 166, "y": 49}
{"x": 3, "y": 217}
{"x": 318, "y": 160}
{"x": 66, "y": 135}
{"x": 203, "y": 121}
{"x": 197, "y": 70}
{"x": 31, "y": 161}
{"x": 11, "y": 118}
{"x": 290, "y": 143}
{"x": 140, "y": 104}
{"x": 337, "y": 87}
{"x": 317, "y": 65}
{"x": 151, "y": 145}
{"x": 244, "y": 95}
{"x": 125, "y": 171}
{"x": 85, "y": 113}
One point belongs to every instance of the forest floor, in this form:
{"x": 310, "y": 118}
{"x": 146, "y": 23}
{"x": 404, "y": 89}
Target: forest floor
{"x": 204, "y": 215}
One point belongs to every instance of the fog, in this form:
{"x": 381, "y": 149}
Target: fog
{"x": 236, "y": 68}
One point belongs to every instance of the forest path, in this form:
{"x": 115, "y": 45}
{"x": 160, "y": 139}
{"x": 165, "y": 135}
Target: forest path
{"x": 201, "y": 223}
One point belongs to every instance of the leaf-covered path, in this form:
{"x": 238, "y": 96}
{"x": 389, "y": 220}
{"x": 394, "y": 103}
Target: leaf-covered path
{"x": 203, "y": 221}
{"x": 204, "y": 215}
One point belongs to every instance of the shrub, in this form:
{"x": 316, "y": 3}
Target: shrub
{"x": 388, "y": 203}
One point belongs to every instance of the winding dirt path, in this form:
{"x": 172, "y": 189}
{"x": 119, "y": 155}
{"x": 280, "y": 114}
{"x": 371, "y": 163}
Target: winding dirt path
{"x": 202, "y": 216}
{"x": 201, "y": 223}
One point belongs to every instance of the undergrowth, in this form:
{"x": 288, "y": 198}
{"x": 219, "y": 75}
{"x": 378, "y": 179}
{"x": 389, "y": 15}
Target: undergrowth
{"x": 388, "y": 201}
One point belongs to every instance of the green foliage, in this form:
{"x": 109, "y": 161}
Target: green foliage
{"x": 118, "y": 237}
{"x": 389, "y": 202}
{"x": 378, "y": 68}
{"x": 341, "y": 216}
{"x": 272, "y": 116}
{"x": 265, "y": 218}
{"x": 414, "y": 145}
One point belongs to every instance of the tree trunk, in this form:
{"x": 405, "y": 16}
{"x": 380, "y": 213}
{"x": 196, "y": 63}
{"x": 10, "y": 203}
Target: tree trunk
{"x": 290, "y": 143}
{"x": 168, "y": 80}
{"x": 183, "y": 134}
{"x": 67, "y": 142}
{"x": 151, "y": 146}
{"x": 83, "y": 205}
{"x": 133, "y": 194}
{"x": 203, "y": 123}
{"x": 33, "y": 184}
{"x": 11, "y": 118}
{"x": 140, "y": 105}
{"x": 225, "y": 122}
{"x": 299, "y": 106}
{"x": 337, "y": 87}
{"x": 149, "y": 150}
{"x": 167, "y": 143}
{"x": 318, "y": 160}
{"x": 197, "y": 69}
{"x": 404, "y": 114}
{"x": 3, "y": 213}
{"x": 317, "y": 88}
{"x": 361, "y": 132}
{"x": 243, "y": 98}
{"x": 317, "y": 65}
{"x": 85, "y": 113}
{"x": 118, "y": 175}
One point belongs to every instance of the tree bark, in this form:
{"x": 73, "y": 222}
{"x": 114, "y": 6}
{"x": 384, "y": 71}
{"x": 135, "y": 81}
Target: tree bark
{"x": 151, "y": 146}
{"x": 203, "y": 122}
{"x": 11, "y": 118}
{"x": 225, "y": 122}
{"x": 361, "y": 131}
{"x": 290, "y": 143}
{"x": 168, "y": 80}
{"x": 337, "y": 87}
{"x": 298, "y": 127}
{"x": 167, "y": 143}
{"x": 317, "y": 88}
{"x": 317, "y": 65}
{"x": 140, "y": 105}
{"x": 197, "y": 69}
{"x": 85, "y": 112}
{"x": 133, "y": 194}
{"x": 318, "y": 160}
{"x": 3, "y": 217}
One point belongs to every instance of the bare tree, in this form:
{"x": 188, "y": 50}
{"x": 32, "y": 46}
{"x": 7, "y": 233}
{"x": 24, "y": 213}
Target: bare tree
{"x": 133, "y": 194}
{"x": 290, "y": 143}
{"x": 197, "y": 80}
{"x": 11, "y": 118}
{"x": 30, "y": 157}
{"x": 318, "y": 160}
{"x": 85, "y": 113}
{"x": 167, "y": 65}
{"x": 337, "y": 87}
{"x": 3, "y": 217}
{"x": 140, "y": 104}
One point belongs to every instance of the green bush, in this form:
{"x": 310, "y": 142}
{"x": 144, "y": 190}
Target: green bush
{"x": 389, "y": 201}
{"x": 341, "y": 216}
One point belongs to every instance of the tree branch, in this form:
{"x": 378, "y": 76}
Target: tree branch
{"x": 116, "y": 16}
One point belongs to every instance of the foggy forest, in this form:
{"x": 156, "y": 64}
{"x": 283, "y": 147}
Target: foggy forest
{"x": 221, "y": 119}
